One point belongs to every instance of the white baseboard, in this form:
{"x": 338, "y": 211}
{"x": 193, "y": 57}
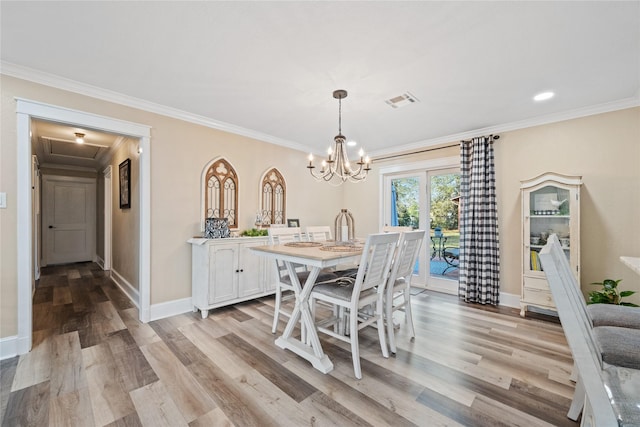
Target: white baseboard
{"x": 8, "y": 347}
{"x": 170, "y": 308}
{"x": 99, "y": 261}
{"x": 506, "y": 299}
{"x": 510, "y": 300}
{"x": 156, "y": 311}
{"x": 126, "y": 287}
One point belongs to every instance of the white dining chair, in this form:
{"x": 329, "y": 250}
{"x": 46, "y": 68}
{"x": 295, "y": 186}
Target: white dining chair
{"x": 398, "y": 289}
{"x": 396, "y": 228}
{"x": 364, "y": 291}
{"x": 318, "y": 233}
{"x": 281, "y": 236}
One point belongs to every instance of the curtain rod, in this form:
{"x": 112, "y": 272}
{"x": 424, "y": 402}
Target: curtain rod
{"x": 426, "y": 150}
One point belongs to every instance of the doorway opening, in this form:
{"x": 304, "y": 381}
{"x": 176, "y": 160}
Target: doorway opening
{"x": 26, "y": 111}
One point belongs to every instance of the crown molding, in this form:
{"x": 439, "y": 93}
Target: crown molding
{"x": 522, "y": 124}
{"x": 62, "y": 83}
{"x": 58, "y": 82}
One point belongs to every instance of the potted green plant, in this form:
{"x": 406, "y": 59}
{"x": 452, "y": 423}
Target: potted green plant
{"x": 254, "y": 232}
{"x": 609, "y": 294}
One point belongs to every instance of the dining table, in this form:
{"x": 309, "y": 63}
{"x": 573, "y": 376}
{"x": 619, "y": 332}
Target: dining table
{"x": 316, "y": 256}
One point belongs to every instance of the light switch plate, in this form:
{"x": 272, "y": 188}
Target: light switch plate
{"x": 3, "y": 200}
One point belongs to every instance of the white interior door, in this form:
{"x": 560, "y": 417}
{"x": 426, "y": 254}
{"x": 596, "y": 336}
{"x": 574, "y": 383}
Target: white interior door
{"x": 69, "y": 219}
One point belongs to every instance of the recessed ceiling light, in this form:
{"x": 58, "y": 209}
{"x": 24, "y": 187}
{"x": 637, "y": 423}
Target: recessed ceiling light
{"x": 543, "y": 96}
{"x": 352, "y": 143}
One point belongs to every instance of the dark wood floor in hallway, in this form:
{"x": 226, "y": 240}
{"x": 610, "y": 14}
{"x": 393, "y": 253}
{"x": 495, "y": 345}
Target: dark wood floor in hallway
{"x": 94, "y": 364}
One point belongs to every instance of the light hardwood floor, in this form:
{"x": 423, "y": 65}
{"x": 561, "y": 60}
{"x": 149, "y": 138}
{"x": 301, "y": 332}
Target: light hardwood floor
{"x": 94, "y": 364}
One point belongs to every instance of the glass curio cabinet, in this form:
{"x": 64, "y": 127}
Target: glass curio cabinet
{"x": 550, "y": 205}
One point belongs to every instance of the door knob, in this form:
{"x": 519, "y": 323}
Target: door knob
{"x": 51, "y": 226}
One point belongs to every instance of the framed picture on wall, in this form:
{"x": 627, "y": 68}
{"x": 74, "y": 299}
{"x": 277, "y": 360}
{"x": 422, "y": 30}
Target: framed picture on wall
{"x": 125, "y": 184}
{"x": 293, "y": 223}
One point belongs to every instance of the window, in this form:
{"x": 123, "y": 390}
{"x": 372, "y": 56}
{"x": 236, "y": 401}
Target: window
{"x": 221, "y": 192}
{"x": 273, "y": 197}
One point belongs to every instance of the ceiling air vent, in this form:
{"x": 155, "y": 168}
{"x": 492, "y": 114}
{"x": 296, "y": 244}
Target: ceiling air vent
{"x": 402, "y": 100}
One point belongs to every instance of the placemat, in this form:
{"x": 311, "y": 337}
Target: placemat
{"x": 303, "y": 244}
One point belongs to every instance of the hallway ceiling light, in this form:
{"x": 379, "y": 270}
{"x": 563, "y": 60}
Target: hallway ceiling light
{"x": 336, "y": 169}
{"x": 80, "y": 138}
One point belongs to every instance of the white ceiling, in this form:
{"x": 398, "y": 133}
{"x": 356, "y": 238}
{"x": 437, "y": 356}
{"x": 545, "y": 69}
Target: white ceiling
{"x": 268, "y": 69}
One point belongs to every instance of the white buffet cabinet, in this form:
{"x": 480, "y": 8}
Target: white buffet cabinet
{"x": 226, "y": 271}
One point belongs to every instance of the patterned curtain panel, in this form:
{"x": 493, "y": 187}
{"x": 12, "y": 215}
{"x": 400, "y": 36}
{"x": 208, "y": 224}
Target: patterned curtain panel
{"x": 479, "y": 247}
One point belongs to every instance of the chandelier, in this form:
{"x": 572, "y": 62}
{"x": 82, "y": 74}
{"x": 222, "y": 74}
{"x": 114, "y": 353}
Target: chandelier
{"x": 336, "y": 169}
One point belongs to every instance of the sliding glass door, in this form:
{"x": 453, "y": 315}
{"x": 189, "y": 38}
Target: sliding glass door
{"x": 443, "y": 191}
{"x": 406, "y": 207}
{"x": 428, "y": 200}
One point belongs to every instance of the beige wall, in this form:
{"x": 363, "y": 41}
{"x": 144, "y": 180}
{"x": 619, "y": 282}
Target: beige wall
{"x": 125, "y": 223}
{"x": 604, "y": 149}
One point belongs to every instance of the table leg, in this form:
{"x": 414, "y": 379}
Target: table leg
{"x": 312, "y": 351}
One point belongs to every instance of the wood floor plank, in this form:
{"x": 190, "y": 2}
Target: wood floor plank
{"x": 217, "y": 352}
{"x": 259, "y": 335}
{"x": 80, "y": 294}
{"x": 177, "y": 342}
{"x": 34, "y": 367}
{"x": 52, "y": 280}
{"x": 44, "y": 295}
{"x": 292, "y": 385}
{"x": 259, "y": 391}
{"x": 227, "y": 395}
{"x": 74, "y": 274}
{"x": 130, "y": 420}
{"x": 334, "y": 411}
{"x": 134, "y": 369}
{"x": 28, "y": 406}
{"x": 7, "y": 373}
{"x": 67, "y": 367}
{"x": 109, "y": 399}
{"x": 119, "y": 300}
{"x": 61, "y": 295}
{"x": 71, "y": 409}
{"x": 189, "y": 397}
{"x": 142, "y": 333}
{"x": 155, "y": 407}
{"x": 102, "y": 321}
{"x": 214, "y": 418}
